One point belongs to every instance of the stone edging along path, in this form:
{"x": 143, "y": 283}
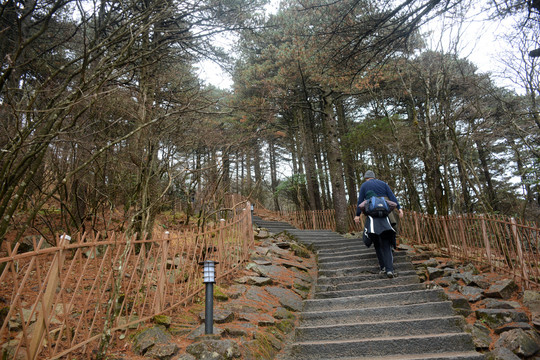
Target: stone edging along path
{"x": 352, "y": 312}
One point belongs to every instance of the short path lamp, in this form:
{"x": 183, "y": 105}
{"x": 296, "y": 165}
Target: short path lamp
{"x": 209, "y": 278}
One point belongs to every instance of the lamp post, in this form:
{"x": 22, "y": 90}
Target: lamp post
{"x": 209, "y": 278}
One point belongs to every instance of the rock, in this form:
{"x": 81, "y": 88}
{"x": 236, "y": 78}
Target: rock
{"x": 123, "y": 320}
{"x": 520, "y": 342}
{"x": 261, "y": 261}
{"x": 185, "y": 357}
{"x": 262, "y": 234}
{"x": 162, "y": 320}
{"x": 221, "y": 316}
{"x": 287, "y": 298}
{"x": 180, "y": 329}
{"x": 472, "y": 293}
{"x": 302, "y": 275}
{"x": 263, "y": 251}
{"x": 420, "y": 257}
{"x": 480, "y": 334}
{"x": 531, "y": 299}
{"x": 446, "y": 281}
{"x": 470, "y": 267}
{"x": 244, "y": 330}
{"x": 147, "y": 338}
{"x": 162, "y": 351}
{"x": 176, "y": 263}
{"x": 531, "y": 296}
{"x": 8, "y": 350}
{"x": 260, "y": 296}
{"x": 285, "y": 326}
{"x": 235, "y": 291}
{"x": 449, "y": 271}
{"x": 30, "y": 317}
{"x": 503, "y": 289}
{"x": 501, "y": 354}
{"x": 512, "y": 326}
{"x": 431, "y": 263}
{"x": 260, "y": 319}
{"x": 269, "y": 338}
{"x": 282, "y": 313}
{"x": 459, "y": 301}
{"x": 200, "y": 331}
{"x": 300, "y": 251}
{"x": 254, "y": 280}
{"x": 481, "y": 281}
{"x": 498, "y": 317}
{"x": 491, "y": 303}
{"x": 434, "y": 273}
{"x": 225, "y": 349}
{"x": 403, "y": 247}
{"x": 283, "y": 245}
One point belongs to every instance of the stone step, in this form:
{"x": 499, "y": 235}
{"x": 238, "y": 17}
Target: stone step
{"x": 371, "y": 275}
{"x": 378, "y": 329}
{"x": 272, "y": 226}
{"x": 382, "y": 281}
{"x": 359, "y": 314}
{"x": 383, "y": 346}
{"x": 384, "y": 300}
{"x": 358, "y": 262}
{"x": 374, "y": 314}
{"x": 356, "y": 255}
{"x": 465, "y": 355}
{"x": 343, "y": 249}
{"x": 362, "y": 270}
{"x": 369, "y": 291}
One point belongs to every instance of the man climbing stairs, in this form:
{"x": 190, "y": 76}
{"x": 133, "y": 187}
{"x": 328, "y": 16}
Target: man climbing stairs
{"x": 358, "y": 313}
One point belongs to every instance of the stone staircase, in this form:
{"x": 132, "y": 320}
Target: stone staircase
{"x": 358, "y": 314}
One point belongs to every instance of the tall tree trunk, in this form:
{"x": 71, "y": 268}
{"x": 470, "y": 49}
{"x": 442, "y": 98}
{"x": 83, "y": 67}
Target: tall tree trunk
{"x": 436, "y": 198}
{"x": 273, "y": 173}
{"x": 348, "y": 159}
{"x": 306, "y": 124}
{"x": 226, "y": 179}
{"x": 249, "y": 182}
{"x": 335, "y": 164}
{"x": 489, "y": 188}
{"x": 257, "y": 169}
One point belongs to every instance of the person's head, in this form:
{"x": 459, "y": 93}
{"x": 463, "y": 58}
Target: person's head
{"x": 369, "y": 175}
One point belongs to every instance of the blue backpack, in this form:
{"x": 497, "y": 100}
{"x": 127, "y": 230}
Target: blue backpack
{"x": 377, "y": 207}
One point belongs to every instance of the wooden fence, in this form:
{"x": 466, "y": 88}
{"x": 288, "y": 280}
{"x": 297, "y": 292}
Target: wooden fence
{"x": 498, "y": 243}
{"x": 501, "y": 244}
{"x": 73, "y": 300}
{"x": 319, "y": 219}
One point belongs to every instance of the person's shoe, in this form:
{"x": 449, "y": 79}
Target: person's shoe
{"x": 382, "y": 271}
{"x": 390, "y": 274}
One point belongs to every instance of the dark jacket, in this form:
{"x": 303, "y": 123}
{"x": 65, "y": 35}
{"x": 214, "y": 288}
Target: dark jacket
{"x": 378, "y": 227}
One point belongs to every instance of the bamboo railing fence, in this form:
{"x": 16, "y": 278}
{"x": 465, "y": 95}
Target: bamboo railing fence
{"x": 499, "y": 243}
{"x": 73, "y": 300}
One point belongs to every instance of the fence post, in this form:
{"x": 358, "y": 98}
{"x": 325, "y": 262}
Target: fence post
{"x": 314, "y": 223}
{"x": 522, "y": 262}
{"x": 418, "y": 238}
{"x": 462, "y": 234}
{"x": 160, "y": 293}
{"x": 48, "y": 299}
{"x": 486, "y": 241}
{"x": 447, "y": 234}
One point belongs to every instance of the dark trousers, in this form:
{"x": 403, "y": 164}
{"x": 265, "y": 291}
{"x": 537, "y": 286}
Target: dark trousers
{"x": 383, "y": 248}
